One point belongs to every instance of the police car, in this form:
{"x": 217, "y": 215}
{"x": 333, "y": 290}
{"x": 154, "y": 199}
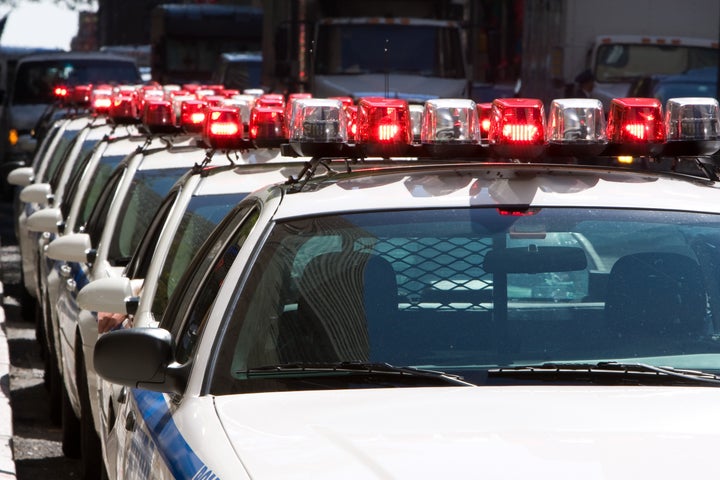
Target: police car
{"x": 187, "y": 216}
{"x": 83, "y": 190}
{"x": 543, "y": 304}
{"x": 130, "y": 201}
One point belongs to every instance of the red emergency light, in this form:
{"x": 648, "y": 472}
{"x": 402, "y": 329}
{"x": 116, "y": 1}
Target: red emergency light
{"x": 192, "y": 115}
{"x": 267, "y": 126}
{"x": 123, "y": 107}
{"x": 101, "y": 99}
{"x": 61, "y": 92}
{"x": 271, "y": 100}
{"x": 635, "y": 126}
{"x": 223, "y": 128}
{"x": 384, "y": 126}
{"x": 158, "y": 117}
{"x": 484, "y": 117}
{"x": 517, "y": 127}
{"x": 80, "y": 95}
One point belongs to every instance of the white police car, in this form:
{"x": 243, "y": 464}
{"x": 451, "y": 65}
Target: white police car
{"x": 83, "y": 189}
{"x": 185, "y": 219}
{"x": 130, "y": 199}
{"x": 435, "y": 321}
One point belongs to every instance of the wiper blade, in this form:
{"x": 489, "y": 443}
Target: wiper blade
{"x": 355, "y": 367}
{"x": 613, "y": 368}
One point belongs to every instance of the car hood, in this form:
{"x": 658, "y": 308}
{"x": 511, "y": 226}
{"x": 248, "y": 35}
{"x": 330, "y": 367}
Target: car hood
{"x": 495, "y": 432}
{"x": 413, "y": 88}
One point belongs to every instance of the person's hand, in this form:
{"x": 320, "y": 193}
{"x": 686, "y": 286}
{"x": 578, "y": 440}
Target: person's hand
{"x": 109, "y": 321}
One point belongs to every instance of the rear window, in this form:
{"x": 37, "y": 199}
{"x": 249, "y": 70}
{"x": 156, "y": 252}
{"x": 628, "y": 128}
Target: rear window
{"x": 34, "y": 81}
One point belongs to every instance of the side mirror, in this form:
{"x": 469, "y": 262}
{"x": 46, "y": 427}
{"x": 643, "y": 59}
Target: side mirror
{"x": 107, "y": 295}
{"x": 75, "y": 247}
{"x": 21, "y": 177}
{"x": 45, "y": 220}
{"x": 40, "y": 193}
{"x": 139, "y": 358}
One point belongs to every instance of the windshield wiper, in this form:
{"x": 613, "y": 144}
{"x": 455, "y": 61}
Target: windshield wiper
{"x": 611, "y": 367}
{"x": 313, "y": 368}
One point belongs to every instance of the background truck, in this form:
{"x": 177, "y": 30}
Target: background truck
{"x": 397, "y": 48}
{"x": 187, "y": 39}
{"x": 620, "y": 41}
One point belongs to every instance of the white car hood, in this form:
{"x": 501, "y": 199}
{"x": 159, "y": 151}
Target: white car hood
{"x": 486, "y": 432}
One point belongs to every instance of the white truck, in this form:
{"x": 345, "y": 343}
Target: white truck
{"x": 414, "y": 50}
{"x": 619, "y": 41}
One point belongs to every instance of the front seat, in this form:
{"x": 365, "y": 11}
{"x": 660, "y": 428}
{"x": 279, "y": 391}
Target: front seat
{"x": 656, "y": 296}
{"x": 345, "y": 303}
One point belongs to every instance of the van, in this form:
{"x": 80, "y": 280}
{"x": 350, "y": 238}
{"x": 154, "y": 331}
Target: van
{"x": 31, "y": 91}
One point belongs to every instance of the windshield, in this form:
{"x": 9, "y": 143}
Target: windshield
{"x": 361, "y": 48}
{"x": 467, "y": 290}
{"x": 34, "y": 81}
{"x": 624, "y": 62}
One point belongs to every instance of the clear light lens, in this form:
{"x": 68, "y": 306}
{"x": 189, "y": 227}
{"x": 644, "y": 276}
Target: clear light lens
{"x": 576, "y": 121}
{"x": 692, "y": 118}
{"x": 450, "y": 121}
{"x": 416, "y": 121}
{"x": 318, "y": 121}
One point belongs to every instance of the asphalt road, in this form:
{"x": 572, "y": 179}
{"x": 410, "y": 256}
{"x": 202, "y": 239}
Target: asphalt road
{"x": 36, "y": 442}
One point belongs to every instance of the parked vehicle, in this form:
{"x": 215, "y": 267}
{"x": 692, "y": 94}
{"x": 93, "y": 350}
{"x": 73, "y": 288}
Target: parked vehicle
{"x": 561, "y": 39}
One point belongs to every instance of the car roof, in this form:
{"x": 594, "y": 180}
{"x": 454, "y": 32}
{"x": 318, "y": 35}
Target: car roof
{"x": 499, "y": 184}
{"x": 50, "y": 56}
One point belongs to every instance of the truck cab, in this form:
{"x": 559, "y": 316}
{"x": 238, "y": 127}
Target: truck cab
{"x": 413, "y": 59}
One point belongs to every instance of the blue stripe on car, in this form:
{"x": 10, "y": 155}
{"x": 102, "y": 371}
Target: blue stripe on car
{"x": 179, "y": 457}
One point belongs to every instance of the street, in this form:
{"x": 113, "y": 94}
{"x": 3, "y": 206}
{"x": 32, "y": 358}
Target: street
{"x": 37, "y": 441}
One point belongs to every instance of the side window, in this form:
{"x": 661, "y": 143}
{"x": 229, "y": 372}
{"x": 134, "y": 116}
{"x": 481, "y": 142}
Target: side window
{"x": 146, "y": 248}
{"x": 98, "y": 217}
{"x": 205, "y": 282}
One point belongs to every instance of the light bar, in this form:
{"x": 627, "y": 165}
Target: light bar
{"x": 384, "y": 126}
{"x": 692, "y": 126}
{"x": 517, "y": 127}
{"x": 318, "y": 127}
{"x": 576, "y": 126}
